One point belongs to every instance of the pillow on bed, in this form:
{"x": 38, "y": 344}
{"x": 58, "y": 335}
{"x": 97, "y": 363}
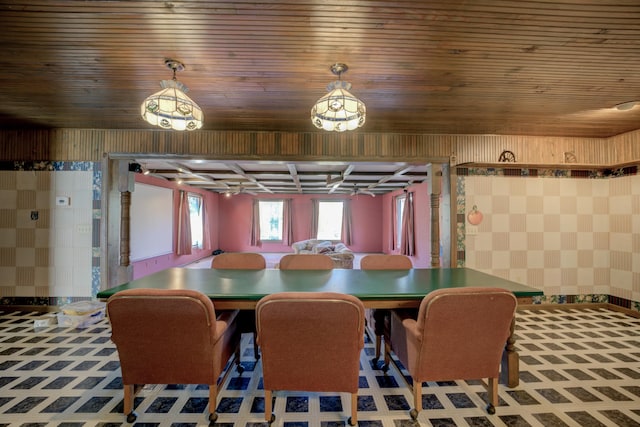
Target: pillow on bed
{"x": 326, "y": 249}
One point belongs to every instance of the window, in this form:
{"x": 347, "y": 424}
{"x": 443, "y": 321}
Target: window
{"x": 196, "y": 220}
{"x": 330, "y": 220}
{"x": 398, "y": 219}
{"x": 271, "y": 219}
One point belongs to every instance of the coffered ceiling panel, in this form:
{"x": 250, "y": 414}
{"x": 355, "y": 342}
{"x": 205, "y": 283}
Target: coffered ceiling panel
{"x": 256, "y": 178}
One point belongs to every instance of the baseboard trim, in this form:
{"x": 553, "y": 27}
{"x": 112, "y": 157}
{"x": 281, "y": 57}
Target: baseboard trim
{"x": 579, "y": 306}
{"x": 532, "y": 307}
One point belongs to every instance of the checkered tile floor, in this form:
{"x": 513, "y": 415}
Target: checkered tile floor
{"x": 577, "y": 368}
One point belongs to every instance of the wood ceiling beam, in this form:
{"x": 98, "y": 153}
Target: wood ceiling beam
{"x": 343, "y": 175}
{"x": 294, "y": 176}
{"x": 239, "y": 171}
{"x": 183, "y": 169}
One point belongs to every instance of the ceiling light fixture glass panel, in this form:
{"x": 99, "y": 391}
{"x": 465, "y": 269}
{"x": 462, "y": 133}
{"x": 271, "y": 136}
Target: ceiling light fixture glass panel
{"x": 338, "y": 110}
{"x": 171, "y": 108}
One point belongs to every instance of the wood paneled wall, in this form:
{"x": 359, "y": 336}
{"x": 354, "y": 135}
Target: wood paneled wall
{"x": 92, "y": 144}
{"x": 626, "y": 147}
{"x": 534, "y": 150}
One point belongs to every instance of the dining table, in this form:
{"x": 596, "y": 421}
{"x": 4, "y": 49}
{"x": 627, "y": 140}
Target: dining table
{"x": 387, "y": 289}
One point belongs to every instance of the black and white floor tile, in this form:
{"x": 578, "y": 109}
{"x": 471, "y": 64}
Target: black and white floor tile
{"x": 577, "y": 368}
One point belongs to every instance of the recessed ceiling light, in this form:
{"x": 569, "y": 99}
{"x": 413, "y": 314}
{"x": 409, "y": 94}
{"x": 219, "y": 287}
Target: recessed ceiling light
{"x": 626, "y": 105}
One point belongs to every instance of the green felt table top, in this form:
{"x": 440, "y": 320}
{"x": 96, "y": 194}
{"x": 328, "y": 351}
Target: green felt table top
{"x": 251, "y": 285}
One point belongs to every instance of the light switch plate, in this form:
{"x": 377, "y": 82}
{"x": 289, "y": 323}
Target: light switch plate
{"x": 62, "y": 201}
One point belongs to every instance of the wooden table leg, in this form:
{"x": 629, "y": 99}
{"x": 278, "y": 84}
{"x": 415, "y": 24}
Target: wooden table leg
{"x": 510, "y": 366}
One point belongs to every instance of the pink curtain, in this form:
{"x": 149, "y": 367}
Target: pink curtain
{"x": 394, "y": 234}
{"x": 287, "y": 207}
{"x": 315, "y": 213}
{"x": 347, "y": 229}
{"x": 255, "y": 224}
{"x": 407, "y": 227}
{"x": 206, "y": 233}
{"x": 184, "y": 226}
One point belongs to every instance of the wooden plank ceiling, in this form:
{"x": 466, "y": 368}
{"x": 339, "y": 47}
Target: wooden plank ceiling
{"x": 508, "y": 67}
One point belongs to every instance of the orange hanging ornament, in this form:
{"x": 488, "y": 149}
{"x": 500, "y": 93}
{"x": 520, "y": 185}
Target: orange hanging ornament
{"x": 475, "y": 216}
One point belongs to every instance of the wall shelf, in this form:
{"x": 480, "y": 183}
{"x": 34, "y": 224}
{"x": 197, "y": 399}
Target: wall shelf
{"x": 559, "y": 166}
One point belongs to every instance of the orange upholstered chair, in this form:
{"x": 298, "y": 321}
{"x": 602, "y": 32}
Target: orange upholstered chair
{"x": 310, "y": 341}
{"x": 238, "y": 261}
{"x": 170, "y": 337}
{"x": 306, "y": 262}
{"x": 379, "y": 319}
{"x": 385, "y": 262}
{"x": 242, "y": 261}
{"x": 459, "y": 334}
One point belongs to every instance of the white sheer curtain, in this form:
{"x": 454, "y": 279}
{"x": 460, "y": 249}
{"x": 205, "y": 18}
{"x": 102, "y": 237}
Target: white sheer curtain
{"x": 183, "y": 246}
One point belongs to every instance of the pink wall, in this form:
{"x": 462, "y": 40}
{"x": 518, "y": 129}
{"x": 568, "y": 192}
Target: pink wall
{"x": 151, "y": 265}
{"x": 422, "y": 218}
{"x": 235, "y": 222}
{"x": 422, "y": 224}
{"x": 229, "y": 220}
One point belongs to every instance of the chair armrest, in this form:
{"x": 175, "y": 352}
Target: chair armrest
{"x": 223, "y": 321}
{"x": 411, "y": 327}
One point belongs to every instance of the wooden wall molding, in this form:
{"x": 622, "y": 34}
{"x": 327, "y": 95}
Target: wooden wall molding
{"x": 92, "y": 144}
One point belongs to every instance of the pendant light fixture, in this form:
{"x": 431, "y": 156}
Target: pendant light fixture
{"x": 338, "y": 110}
{"x": 171, "y": 108}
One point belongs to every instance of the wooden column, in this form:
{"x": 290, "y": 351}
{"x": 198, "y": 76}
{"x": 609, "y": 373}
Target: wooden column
{"x": 436, "y": 182}
{"x": 435, "y": 230}
{"x": 125, "y": 222}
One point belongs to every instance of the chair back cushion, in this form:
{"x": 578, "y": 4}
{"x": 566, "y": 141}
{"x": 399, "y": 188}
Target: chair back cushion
{"x": 165, "y": 336}
{"x": 464, "y": 332}
{"x": 385, "y": 262}
{"x": 310, "y": 341}
{"x": 306, "y": 262}
{"x": 239, "y": 261}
